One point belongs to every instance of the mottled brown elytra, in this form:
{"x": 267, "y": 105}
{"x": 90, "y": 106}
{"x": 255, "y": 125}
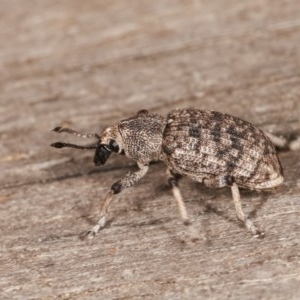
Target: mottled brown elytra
{"x": 210, "y": 147}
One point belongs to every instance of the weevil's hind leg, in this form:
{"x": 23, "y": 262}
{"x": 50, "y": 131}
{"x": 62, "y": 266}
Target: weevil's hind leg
{"x": 240, "y": 214}
{"x": 129, "y": 180}
{"x": 173, "y": 183}
{"x": 282, "y": 143}
{"x": 223, "y": 181}
{"x": 277, "y": 141}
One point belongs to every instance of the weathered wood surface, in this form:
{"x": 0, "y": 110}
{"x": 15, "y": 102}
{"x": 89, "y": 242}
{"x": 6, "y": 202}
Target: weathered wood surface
{"x": 88, "y": 64}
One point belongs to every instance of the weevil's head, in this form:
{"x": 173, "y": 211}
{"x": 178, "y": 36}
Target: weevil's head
{"x": 110, "y": 141}
{"x": 138, "y": 137}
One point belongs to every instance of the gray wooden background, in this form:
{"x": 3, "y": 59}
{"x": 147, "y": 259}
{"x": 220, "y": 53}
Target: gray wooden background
{"x": 88, "y": 64}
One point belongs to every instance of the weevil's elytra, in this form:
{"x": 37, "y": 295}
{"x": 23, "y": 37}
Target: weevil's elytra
{"x": 227, "y": 146}
{"x": 210, "y": 147}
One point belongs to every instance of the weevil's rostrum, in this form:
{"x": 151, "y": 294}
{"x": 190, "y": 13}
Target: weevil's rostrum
{"x": 210, "y": 147}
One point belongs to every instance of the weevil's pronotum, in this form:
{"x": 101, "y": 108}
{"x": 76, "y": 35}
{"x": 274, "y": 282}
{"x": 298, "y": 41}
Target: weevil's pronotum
{"x": 210, "y": 147}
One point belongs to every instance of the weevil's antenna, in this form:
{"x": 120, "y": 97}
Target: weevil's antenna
{"x": 74, "y": 132}
{"x": 67, "y": 145}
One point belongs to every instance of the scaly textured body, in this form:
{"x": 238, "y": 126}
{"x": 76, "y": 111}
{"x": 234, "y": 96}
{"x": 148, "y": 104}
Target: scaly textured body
{"x": 202, "y": 144}
{"x": 210, "y": 147}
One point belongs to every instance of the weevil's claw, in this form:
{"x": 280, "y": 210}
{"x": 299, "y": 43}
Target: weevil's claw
{"x": 87, "y": 235}
{"x": 91, "y": 233}
{"x": 259, "y": 235}
{"x": 94, "y": 231}
{"x": 256, "y": 233}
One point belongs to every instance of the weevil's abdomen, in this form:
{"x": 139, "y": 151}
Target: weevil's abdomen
{"x": 202, "y": 144}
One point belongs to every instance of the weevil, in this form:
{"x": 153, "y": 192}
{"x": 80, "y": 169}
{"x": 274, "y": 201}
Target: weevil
{"x": 213, "y": 148}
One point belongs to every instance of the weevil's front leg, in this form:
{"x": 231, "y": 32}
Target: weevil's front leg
{"x": 240, "y": 214}
{"x": 173, "y": 183}
{"x": 129, "y": 180}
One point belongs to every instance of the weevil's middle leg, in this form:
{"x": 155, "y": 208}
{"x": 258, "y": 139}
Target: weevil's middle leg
{"x": 240, "y": 214}
{"x": 173, "y": 183}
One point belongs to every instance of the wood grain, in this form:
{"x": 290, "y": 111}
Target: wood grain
{"x": 88, "y": 64}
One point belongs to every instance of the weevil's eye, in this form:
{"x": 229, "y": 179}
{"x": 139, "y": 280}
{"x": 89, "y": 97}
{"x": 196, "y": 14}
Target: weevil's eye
{"x": 113, "y": 146}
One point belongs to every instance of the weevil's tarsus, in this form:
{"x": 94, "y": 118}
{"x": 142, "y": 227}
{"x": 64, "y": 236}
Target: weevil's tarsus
{"x": 240, "y": 214}
{"x": 103, "y": 213}
{"x": 100, "y": 225}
